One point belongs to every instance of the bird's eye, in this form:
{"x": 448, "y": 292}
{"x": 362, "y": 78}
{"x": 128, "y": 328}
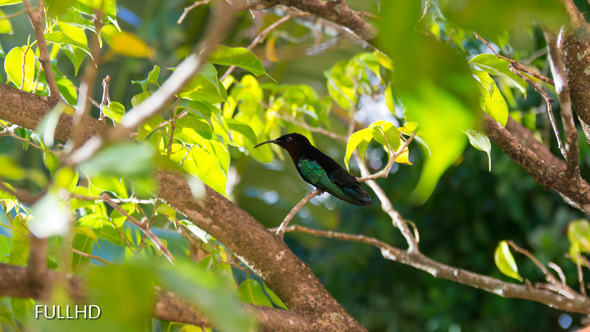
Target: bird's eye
{"x": 289, "y": 139}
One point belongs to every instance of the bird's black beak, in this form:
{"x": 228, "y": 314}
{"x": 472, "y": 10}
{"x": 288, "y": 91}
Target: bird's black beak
{"x": 271, "y": 141}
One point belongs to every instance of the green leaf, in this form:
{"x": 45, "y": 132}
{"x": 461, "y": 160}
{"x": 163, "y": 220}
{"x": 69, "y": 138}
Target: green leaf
{"x": 496, "y": 66}
{"x": 124, "y": 159}
{"x": 239, "y": 57}
{"x": 242, "y": 133}
{"x": 14, "y": 63}
{"x": 20, "y": 243}
{"x": 481, "y": 142}
{"x": 152, "y": 78}
{"x": 493, "y": 101}
{"x": 114, "y": 110}
{"x": 126, "y": 43}
{"x": 578, "y": 233}
{"x": 113, "y": 184}
{"x": 6, "y": 318}
{"x": 74, "y": 33}
{"x": 83, "y": 241}
{"x": 5, "y": 25}
{"x": 9, "y": 2}
{"x": 202, "y": 89}
{"x": 10, "y": 169}
{"x": 250, "y": 291}
{"x": 125, "y": 295}
{"x": 191, "y": 129}
{"x": 359, "y": 139}
{"x": 75, "y": 54}
{"x": 60, "y": 38}
{"x": 340, "y": 86}
{"x": 207, "y": 167}
{"x": 505, "y": 261}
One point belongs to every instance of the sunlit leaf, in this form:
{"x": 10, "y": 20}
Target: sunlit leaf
{"x": 126, "y": 43}
{"x": 115, "y": 111}
{"x": 15, "y": 62}
{"x": 359, "y": 139}
{"x": 496, "y": 66}
{"x": 578, "y": 234}
{"x": 5, "y": 25}
{"x": 75, "y": 33}
{"x": 505, "y": 261}
{"x": 125, "y": 159}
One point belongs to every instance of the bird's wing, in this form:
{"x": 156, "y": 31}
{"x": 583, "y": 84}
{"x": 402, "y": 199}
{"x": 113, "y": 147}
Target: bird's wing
{"x": 311, "y": 171}
{"x": 343, "y": 178}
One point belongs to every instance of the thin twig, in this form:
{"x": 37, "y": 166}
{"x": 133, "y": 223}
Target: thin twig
{"x": 564, "y": 288}
{"x": 304, "y": 125}
{"x": 385, "y": 171}
{"x": 81, "y": 253}
{"x": 36, "y": 21}
{"x": 294, "y": 210}
{"x": 425, "y": 10}
{"x": 156, "y": 240}
{"x": 10, "y": 132}
{"x": 106, "y": 99}
{"x": 555, "y": 46}
{"x": 24, "y": 67}
{"x": 191, "y": 7}
{"x": 9, "y": 16}
{"x": 517, "y": 64}
{"x": 559, "y": 272}
{"x": 21, "y": 194}
{"x": 387, "y": 207}
{"x": 575, "y": 302}
{"x": 86, "y": 88}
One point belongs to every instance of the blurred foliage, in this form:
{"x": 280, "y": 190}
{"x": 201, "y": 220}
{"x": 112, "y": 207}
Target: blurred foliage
{"x": 431, "y": 76}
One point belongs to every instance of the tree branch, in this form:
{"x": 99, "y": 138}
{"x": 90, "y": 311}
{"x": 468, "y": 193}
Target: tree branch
{"x": 575, "y": 303}
{"x": 575, "y": 189}
{"x": 37, "y": 23}
{"x": 334, "y": 11}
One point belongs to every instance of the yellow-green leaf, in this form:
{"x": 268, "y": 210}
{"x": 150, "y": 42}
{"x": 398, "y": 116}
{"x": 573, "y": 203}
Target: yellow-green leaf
{"x": 115, "y": 111}
{"x": 15, "y": 60}
{"x": 578, "y": 233}
{"x": 505, "y": 261}
{"x": 359, "y": 139}
{"x": 75, "y": 33}
{"x": 126, "y": 43}
{"x": 5, "y": 25}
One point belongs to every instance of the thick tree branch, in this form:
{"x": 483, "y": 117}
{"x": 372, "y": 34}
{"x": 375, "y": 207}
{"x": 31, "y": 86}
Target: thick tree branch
{"x": 575, "y": 189}
{"x": 334, "y": 11}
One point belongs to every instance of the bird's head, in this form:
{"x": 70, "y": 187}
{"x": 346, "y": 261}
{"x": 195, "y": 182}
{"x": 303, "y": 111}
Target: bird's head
{"x": 294, "y": 143}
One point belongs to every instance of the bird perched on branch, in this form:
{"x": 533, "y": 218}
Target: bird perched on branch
{"x": 321, "y": 171}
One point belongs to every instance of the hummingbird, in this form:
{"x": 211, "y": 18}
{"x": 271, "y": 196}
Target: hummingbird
{"x": 321, "y": 171}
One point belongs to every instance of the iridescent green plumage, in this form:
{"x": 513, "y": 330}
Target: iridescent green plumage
{"x": 323, "y": 172}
